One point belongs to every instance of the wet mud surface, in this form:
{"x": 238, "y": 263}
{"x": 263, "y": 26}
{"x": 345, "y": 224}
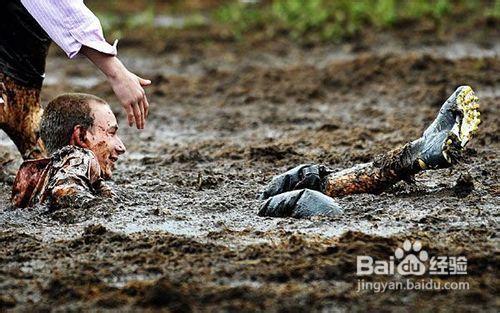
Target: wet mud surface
{"x": 224, "y": 119}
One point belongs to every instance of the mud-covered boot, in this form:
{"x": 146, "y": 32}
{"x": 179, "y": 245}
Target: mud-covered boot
{"x": 300, "y": 177}
{"x": 456, "y": 123}
{"x": 299, "y": 204}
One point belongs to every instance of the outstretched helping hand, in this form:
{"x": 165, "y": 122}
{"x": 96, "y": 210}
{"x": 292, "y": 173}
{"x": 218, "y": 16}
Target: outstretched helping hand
{"x": 127, "y": 86}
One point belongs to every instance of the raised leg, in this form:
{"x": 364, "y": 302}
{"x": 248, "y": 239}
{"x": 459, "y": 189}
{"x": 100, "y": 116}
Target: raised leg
{"x": 439, "y": 147}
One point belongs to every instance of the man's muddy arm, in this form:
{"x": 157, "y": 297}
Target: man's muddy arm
{"x": 75, "y": 181}
{"x": 70, "y": 193}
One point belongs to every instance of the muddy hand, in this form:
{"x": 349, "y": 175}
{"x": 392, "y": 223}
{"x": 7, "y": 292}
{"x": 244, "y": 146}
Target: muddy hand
{"x": 303, "y": 176}
{"x": 128, "y": 87}
{"x": 299, "y": 204}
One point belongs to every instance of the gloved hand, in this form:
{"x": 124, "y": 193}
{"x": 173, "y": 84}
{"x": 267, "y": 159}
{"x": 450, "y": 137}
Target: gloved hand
{"x": 300, "y": 177}
{"x": 299, "y": 204}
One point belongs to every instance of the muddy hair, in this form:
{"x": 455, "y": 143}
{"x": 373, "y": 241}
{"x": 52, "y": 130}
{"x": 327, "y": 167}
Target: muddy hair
{"x": 61, "y": 116}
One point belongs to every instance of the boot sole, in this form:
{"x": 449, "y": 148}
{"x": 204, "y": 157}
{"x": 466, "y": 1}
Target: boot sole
{"x": 466, "y": 125}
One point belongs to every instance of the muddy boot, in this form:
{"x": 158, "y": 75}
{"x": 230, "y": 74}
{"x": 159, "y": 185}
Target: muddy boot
{"x": 300, "y": 177}
{"x": 443, "y": 141}
{"x": 299, "y": 204}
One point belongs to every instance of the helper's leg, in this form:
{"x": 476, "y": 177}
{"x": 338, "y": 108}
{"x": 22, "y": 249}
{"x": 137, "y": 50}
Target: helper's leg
{"x": 20, "y": 113}
{"x": 439, "y": 147}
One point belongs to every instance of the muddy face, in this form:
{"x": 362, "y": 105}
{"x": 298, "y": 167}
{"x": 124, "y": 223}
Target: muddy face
{"x": 103, "y": 140}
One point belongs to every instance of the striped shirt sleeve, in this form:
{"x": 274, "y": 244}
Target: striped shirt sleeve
{"x": 70, "y": 24}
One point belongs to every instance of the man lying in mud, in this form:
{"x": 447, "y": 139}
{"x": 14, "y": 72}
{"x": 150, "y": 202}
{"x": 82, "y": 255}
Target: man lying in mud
{"x": 80, "y": 133}
{"x": 307, "y": 190}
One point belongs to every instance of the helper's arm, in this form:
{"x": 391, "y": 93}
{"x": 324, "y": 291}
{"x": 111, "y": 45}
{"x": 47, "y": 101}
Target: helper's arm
{"x": 77, "y": 30}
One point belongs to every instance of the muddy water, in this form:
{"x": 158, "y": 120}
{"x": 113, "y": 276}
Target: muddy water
{"x": 223, "y": 122}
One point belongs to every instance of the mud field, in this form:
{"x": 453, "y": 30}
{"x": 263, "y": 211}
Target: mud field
{"x": 225, "y": 118}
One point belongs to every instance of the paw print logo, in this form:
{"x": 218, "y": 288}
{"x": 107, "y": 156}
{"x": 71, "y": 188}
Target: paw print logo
{"x": 413, "y": 262}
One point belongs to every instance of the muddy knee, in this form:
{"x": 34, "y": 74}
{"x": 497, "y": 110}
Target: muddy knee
{"x": 25, "y": 134}
{"x": 20, "y": 115}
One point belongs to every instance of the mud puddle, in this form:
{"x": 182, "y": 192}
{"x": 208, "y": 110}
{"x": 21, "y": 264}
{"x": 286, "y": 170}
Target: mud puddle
{"x": 221, "y": 125}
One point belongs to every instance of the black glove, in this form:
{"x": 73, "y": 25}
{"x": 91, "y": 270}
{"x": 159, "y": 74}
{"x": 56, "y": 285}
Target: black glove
{"x": 299, "y": 204}
{"x": 303, "y": 176}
